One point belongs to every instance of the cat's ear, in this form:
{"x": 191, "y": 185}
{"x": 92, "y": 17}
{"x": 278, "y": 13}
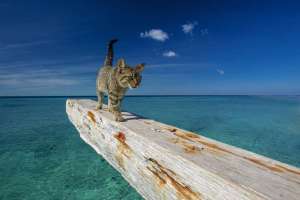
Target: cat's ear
{"x": 121, "y": 63}
{"x": 140, "y": 67}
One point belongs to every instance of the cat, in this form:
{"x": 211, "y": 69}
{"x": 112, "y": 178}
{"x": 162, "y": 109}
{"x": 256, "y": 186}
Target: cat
{"x": 115, "y": 81}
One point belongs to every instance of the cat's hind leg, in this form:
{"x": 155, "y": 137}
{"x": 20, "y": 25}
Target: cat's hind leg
{"x": 100, "y": 96}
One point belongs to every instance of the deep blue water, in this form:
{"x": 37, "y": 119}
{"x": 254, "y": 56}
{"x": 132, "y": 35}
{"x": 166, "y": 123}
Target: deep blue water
{"x": 42, "y": 156}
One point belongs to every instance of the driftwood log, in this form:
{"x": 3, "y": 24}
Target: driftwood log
{"x": 164, "y": 162}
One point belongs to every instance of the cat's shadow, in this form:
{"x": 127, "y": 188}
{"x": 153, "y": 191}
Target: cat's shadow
{"x": 132, "y": 116}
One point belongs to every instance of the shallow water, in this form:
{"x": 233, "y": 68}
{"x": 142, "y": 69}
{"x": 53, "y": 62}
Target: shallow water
{"x": 43, "y": 157}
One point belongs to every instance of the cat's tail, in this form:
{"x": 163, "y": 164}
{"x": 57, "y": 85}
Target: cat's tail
{"x": 110, "y": 53}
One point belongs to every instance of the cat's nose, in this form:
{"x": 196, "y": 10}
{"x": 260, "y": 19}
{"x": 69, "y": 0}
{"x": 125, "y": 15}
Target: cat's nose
{"x": 136, "y": 85}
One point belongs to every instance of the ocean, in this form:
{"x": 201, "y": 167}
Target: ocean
{"x": 42, "y": 156}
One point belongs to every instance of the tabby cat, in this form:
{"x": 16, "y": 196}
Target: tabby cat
{"x": 115, "y": 81}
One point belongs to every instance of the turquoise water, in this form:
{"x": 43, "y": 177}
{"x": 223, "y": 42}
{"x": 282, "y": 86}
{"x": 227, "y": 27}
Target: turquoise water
{"x": 42, "y": 156}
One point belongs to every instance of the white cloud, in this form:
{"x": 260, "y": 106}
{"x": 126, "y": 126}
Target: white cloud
{"x": 204, "y": 31}
{"x": 220, "y": 71}
{"x": 155, "y": 34}
{"x": 169, "y": 54}
{"x": 189, "y": 27}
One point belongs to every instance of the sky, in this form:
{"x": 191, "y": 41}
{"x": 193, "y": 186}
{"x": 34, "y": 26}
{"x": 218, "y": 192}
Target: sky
{"x": 189, "y": 47}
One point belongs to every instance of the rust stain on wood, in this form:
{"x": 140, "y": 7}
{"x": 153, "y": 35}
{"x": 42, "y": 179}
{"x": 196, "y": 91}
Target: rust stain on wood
{"x": 160, "y": 166}
{"x": 172, "y": 129}
{"x": 123, "y": 150}
{"x": 270, "y": 167}
{"x": 161, "y": 181}
{"x": 165, "y": 175}
{"x": 214, "y": 146}
{"x": 185, "y": 133}
{"x": 192, "y": 135}
{"x": 92, "y": 116}
{"x": 184, "y": 136}
{"x": 287, "y": 169}
{"x": 188, "y": 148}
{"x": 253, "y": 160}
{"x": 195, "y": 138}
{"x": 121, "y": 137}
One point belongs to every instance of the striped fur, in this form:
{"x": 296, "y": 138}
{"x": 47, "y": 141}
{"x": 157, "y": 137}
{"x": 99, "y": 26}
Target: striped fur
{"x": 115, "y": 81}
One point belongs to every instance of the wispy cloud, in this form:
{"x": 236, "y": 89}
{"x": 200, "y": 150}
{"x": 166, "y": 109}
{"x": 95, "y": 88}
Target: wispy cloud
{"x": 204, "y": 31}
{"x": 36, "y": 78}
{"x": 169, "y": 54}
{"x": 155, "y": 34}
{"x": 85, "y": 62}
{"x": 54, "y": 82}
{"x": 189, "y": 27}
{"x": 220, "y": 71}
{"x": 163, "y": 65}
{"x": 183, "y": 65}
{"x": 22, "y": 45}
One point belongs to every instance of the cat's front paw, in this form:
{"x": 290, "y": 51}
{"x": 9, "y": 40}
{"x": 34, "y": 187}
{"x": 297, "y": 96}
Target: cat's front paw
{"x": 98, "y": 107}
{"x": 110, "y": 110}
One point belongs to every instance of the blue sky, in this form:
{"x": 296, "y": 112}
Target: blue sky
{"x": 190, "y": 47}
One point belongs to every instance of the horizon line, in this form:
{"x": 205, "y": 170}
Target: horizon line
{"x": 145, "y": 95}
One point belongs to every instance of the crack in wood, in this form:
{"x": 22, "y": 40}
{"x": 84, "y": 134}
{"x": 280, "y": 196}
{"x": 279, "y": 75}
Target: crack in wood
{"x": 165, "y": 176}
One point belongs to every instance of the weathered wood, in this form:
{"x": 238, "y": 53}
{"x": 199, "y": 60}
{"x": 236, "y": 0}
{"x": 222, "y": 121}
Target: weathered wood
{"x": 165, "y": 162}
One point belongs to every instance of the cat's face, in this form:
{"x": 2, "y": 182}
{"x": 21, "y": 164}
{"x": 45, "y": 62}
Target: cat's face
{"x": 129, "y": 77}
